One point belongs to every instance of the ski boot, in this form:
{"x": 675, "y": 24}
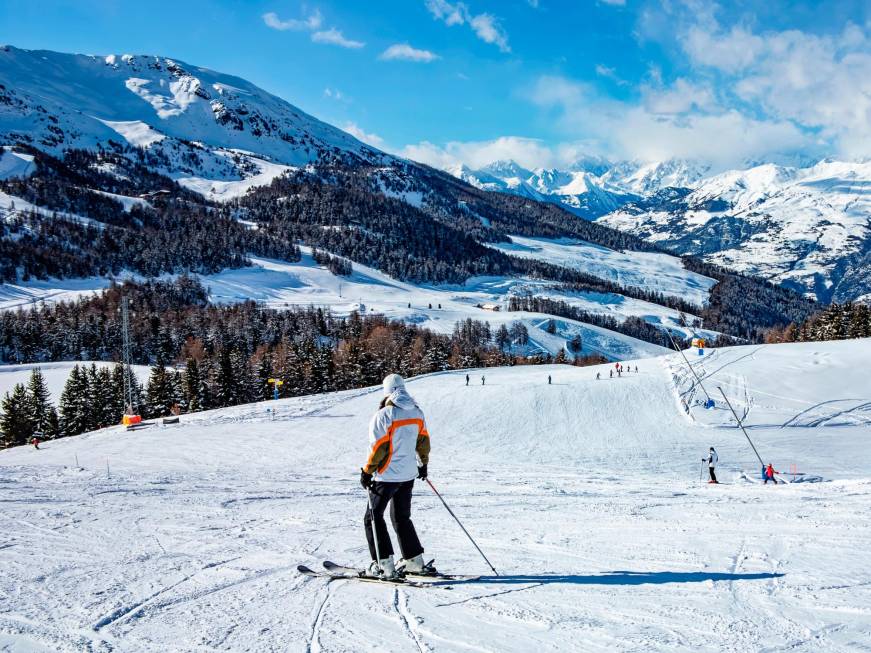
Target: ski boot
{"x": 416, "y": 566}
{"x": 384, "y": 569}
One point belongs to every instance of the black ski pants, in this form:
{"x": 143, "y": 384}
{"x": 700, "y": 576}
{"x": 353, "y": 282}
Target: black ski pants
{"x": 398, "y": 495}
{"x": 713, "y": 476}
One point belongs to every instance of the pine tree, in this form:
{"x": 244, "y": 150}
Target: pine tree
{"x": 263, "y": 390}
{"x": 225, "y": 380}
{"x": 15, "y": 422}
{"x": 193, "y": 385}
{"x": 244, "y": 378}
{"x": 503, "y": 338}
{"x": 118, "y": 405}
{"x": 178, "y": 391}
{"x": 38, "y": 401}
{"x": 74, "y": 418}
{"x": 52, "y": 424}
{"x": 160, "y": 394}
{"x": 575, "y": 344}
{"x": 100, "y": 398}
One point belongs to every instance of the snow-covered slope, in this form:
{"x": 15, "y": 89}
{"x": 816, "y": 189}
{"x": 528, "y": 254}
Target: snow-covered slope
{"x": 15, "y": 164}
{"x": 278, "y": 284}
{"x": 651, "y": 271}
{"x": 805, "y": 227}
{"x": 209, "y": 127}
{"x": 584, "y": 494}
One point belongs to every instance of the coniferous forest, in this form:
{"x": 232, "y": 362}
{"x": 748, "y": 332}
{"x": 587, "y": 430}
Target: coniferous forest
{"x": 210, "y": 356}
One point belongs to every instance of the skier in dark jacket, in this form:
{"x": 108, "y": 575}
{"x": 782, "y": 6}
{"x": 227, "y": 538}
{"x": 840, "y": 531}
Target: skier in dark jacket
{"x": 712, "y": 463}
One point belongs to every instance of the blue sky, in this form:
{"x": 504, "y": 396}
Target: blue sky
{"x": 540, "y": 81}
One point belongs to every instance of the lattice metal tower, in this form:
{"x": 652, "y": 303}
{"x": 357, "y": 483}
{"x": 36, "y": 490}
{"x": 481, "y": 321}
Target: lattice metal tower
{"x": 128, "y": 369}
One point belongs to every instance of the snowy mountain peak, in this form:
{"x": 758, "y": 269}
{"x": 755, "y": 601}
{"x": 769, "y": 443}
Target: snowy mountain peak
{"x": 208, "y": 126}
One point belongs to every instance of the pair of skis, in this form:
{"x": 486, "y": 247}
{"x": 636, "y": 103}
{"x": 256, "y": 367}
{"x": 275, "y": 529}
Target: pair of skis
{"x": 333, "y": 571}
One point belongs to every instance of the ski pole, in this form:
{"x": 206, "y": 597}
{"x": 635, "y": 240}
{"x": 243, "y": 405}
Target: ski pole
{"x": 701, "y": 471}
{"x": 741, "y": 425}
{"x": 461, "y": 526}
{"x": 374, "y": 530}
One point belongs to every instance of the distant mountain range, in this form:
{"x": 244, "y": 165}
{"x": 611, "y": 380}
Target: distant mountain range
{"x": 806, "y": 227}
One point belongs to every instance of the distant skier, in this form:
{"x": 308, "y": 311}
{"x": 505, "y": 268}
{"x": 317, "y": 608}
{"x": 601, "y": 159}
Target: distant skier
{"x": 610, "y": 374}
{"x": 35, "y": 443}
{"x": 636, "y": 369}
{"x": 467, "y": 379}
{"x": 769, "y": 474}
{"x": 712, "y": 463}
{"x": 598, "y": 375}
{"x": 483, "y": 380}
{"x": 398, "y": 452}
{"x": 548, "y": 379}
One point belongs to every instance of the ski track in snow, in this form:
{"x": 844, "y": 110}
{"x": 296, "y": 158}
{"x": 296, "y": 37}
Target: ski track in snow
{"x": 584, "y": 494}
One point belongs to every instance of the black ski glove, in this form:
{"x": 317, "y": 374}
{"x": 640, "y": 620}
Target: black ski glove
{"x": 421, "y": 472}
{"x": 365, "y": 479}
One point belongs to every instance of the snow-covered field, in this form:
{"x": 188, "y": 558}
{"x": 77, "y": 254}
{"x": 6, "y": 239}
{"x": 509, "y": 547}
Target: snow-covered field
{"x": 656, "y": 272}
{"x": 584, "y": 494}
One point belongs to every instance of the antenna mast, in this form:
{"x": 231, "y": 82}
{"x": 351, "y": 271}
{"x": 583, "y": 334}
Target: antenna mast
{"x": 128, "y": 370}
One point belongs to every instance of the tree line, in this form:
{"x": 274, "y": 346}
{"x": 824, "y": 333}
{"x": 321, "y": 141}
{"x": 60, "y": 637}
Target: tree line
{"x": 835, "y": 322}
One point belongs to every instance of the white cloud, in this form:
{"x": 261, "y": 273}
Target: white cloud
{"x": 821, "y": 82}
{"x": 528, "y": 152}
{"x": 486, "y": 26}
{"x": 488, "y": 30}
{"x": 615, "y": 3}
{"x": 683, "y": 96}
{"x": 333, "y": 36}
{"x": 610, "y": 73}
{"x": 371, "y": 139}
{"x": 405, "y": 52}
{"x": 730, "y": 52}
{"x": 683, "y": 121}
{"x": 335, "y": 94}
{"x": 451, "y": 14}
{"x": 311, "y": 22}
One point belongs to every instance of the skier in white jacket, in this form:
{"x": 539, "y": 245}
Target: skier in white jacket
{"x": 398, "y": 453}
{"x": 712, "y": 463}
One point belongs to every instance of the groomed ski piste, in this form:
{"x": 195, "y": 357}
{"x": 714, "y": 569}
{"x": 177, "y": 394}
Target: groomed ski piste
{"x": 584, "y": 494}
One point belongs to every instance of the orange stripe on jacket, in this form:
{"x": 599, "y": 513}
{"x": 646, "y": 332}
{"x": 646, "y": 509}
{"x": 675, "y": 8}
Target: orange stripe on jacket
{"x": 389, "y": 438}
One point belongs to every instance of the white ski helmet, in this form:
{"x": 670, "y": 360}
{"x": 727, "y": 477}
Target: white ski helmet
{"x": 392, "y": 382}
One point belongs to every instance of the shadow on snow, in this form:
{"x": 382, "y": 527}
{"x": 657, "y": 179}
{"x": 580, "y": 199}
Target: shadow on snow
{"x": 610, "y": 578}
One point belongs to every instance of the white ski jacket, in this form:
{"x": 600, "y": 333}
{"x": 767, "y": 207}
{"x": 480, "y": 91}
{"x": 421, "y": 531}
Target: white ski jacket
{"x": 398, "y": 439}
{"x": 712, "y": 459}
